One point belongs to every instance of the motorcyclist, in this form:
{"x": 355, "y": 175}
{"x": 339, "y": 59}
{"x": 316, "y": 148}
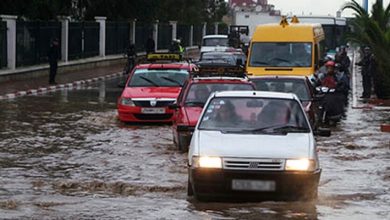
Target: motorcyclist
{"x": 330, "y": 79}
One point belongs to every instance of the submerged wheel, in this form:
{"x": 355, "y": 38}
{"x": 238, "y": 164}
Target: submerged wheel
{"x": 182, "y": 143}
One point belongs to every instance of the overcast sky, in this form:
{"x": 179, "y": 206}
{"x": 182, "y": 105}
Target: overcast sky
{"x": 316, "y": 7}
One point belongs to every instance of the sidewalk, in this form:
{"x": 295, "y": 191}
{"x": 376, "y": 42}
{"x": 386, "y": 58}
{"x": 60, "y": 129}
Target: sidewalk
{"x": 15, "y": 86}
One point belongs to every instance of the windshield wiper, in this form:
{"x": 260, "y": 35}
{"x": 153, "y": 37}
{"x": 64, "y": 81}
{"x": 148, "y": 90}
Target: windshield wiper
{"x": 195, "y": 103}
{"x": 149, "y": 81}
{"x": 260, "y": 62}
{"x": 172, "y": 80}
{"x": 291, "y": 128}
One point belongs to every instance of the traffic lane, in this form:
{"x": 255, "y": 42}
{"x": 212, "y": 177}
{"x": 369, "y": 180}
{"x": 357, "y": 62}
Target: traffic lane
{"x": 65, "y": 155}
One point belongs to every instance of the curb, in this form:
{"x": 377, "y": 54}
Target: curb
{"x": 385, "y": 128}
{"x": 71, "y": 85}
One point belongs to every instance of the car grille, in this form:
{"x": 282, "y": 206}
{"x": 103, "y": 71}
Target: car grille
{"x": 147, "y": 103}
{"x": 253, "y": 164}
{"x": 156, "y": 117}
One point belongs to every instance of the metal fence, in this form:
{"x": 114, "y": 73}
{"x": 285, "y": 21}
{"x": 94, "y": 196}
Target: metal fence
{"x": 164, "y": 36}
{"x": 223, "y": 29}
{"x": 117, "y": 37}
{"x": 33, "y": 41}
{"x": 198, "y": 34}
{"x": 210, "y": 29}
{"x": 3, "y": 45}
{"x": 142, "y": 33}
{"x": 183, "y": 33}
{"x": 83, "y": 40}
{"x": 33, "y": 38}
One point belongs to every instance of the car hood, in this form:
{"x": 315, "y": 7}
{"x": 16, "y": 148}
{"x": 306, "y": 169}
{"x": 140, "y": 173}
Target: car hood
{"x": 151, "y": 92}
{"x": 193, "y": 114}
{"x": 292, "y": 145}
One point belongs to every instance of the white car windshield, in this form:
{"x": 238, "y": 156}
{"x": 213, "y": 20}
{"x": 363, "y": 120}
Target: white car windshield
{"x": 158, "y": 78}
{"x": 254, "y": 115}
{"x": 213, "y": 42}
{"x": 281, "y": 55}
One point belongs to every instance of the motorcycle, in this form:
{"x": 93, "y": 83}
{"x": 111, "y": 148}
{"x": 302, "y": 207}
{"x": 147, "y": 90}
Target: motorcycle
{"x": 332, "y": 105}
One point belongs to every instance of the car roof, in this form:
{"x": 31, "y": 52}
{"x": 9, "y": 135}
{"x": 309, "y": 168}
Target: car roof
{"x": 219, "y": 79}
{"x": 215, "y": 36}
{"x": 277, "y": 77}
{"x": 165, "y": 66}
{"x": 257, "y": 94}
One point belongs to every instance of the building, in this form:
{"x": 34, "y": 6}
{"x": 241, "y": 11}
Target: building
{"x": 253, "y": 13}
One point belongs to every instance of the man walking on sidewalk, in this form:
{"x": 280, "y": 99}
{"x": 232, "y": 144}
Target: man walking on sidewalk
{"x": 53, "y": 55}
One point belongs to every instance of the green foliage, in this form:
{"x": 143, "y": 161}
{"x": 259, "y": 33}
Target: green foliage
{"x": 373, "y": 30}
{"x": 184, "y": 11}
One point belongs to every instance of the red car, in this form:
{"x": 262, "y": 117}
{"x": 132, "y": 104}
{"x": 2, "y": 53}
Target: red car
{"x": 194, "y": 95}
{"x": 150, "y": 89}
{"x": 299, "y": 85}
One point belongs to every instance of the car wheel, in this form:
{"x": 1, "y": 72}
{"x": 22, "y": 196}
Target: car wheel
{"x": 182, "y": 143}
{"x": 190, "y": 190}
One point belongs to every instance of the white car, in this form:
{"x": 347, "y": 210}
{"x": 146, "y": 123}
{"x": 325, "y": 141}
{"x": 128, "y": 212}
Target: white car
{"x": 211, "y": 43}
{"x": 253, "y": 144}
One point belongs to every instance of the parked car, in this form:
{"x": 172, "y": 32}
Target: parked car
{"x": 152, "y": 87}
{"x": 256, "y": 145}
{"x": 195, "y": 93}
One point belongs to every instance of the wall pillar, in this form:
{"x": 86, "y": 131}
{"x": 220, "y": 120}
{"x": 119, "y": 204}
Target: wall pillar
{"x": 192, "y": 35}
{"x": 64, "y": 37}
{"x": 216, "y": 28}
{"x": 204, "y": 32}
{"x": 174, "y": 29}
{"x": 133, "y": 28}
{"x": 155, "y": 34}
{"x": 102, "y": 35}
{"x": 11, "y": 39}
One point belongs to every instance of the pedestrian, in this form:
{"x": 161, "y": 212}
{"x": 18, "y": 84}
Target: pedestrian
{"x": 365, "y": 63}
{"x": 53, "y": 56}
{"x": 150, "y": 45}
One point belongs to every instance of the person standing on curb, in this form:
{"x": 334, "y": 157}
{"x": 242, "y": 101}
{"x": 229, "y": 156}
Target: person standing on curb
{"x": 53, "y": 55}
{"x": 150, "y": 45}
{"x": 365, "y": 63}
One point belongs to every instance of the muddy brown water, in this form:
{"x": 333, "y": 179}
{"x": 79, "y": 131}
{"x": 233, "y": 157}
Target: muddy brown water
{"x": 64, "y": 155}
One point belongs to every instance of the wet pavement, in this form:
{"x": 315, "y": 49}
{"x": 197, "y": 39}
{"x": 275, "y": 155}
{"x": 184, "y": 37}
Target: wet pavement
{"x": 64, "y": 155}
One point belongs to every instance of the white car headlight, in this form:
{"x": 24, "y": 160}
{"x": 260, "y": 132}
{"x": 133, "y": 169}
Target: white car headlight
{"x": 127, "y": 102}
{"x": 207, "y": 162}
{"x": 300, "y": 165}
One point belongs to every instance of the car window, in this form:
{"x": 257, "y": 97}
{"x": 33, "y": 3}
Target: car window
{"x": 215, "y": 58}
{"x": 200, "y": 92}
{"x": 298, "y": 87}
{"x": 212, "y": 42}
{"x": 254, "y": 114}
{"x": 281, "y": 55}
{"x": 158, "y": 78}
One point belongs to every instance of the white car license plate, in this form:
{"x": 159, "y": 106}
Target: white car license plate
{"x": 253, "y": 185}
{"x": 153, "y": 110}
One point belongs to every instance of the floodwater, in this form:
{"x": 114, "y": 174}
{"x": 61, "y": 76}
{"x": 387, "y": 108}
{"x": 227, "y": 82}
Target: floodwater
{"x": 64, "y": 155}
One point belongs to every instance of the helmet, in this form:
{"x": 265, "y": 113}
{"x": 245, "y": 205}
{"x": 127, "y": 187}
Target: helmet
{"x": 330, "y": 63}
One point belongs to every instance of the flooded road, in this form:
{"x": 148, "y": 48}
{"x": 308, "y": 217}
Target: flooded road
{"x": 64, "y": 155}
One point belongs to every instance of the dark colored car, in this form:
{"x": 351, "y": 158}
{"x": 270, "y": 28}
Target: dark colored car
{"x": 299, "y": 85}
